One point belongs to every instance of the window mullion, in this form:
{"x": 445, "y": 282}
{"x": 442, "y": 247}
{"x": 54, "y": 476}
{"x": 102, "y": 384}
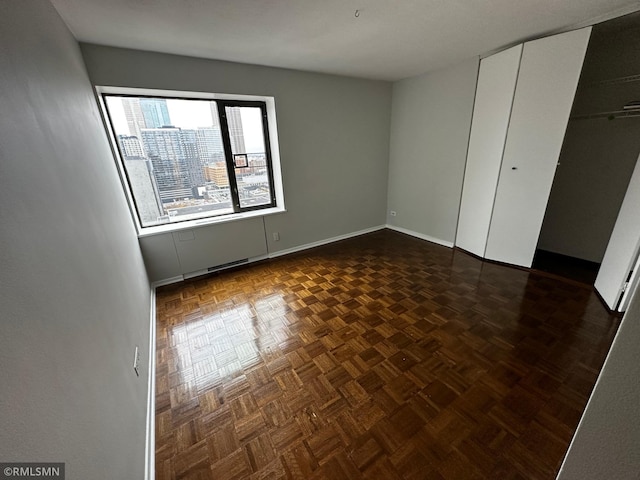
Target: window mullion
{"x": 267, "y": 146}
{"x": 226, "y": 143}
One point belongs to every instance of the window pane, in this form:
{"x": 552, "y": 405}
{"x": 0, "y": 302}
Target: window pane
{"x": 249, "y": 155}
{"x": 173, "y": 157}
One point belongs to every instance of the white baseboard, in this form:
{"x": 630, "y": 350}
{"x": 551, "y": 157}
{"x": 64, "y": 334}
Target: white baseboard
{"x": 150, "y": 444}
{"x": 167, "y": 281}
{"x": 306, "y": 246}
{"x": 299, "y": 248}
{"x": 422, "y": 236}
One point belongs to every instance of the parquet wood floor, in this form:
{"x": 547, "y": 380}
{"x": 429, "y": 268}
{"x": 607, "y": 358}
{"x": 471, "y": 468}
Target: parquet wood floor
{"x": 378, "y": 357}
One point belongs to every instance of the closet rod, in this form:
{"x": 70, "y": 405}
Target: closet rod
{"x": 614, "y": 81}
{"x": 609, "y": 115}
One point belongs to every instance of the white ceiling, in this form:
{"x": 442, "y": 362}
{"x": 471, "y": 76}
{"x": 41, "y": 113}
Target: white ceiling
{"x": 389, "y": 40}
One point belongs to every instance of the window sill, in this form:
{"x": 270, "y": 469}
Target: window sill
{"x": 205, "y": 222}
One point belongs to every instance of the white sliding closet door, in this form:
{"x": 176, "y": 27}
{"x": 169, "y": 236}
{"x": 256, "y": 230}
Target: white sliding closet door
{"x": 622, "y": 250}
{"x": 491, "y": 111}
{"x": 547, "y": 81}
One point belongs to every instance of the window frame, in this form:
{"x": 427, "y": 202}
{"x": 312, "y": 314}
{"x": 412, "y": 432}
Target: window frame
{"x": 272, "y": 154}
{"x": 229, "y": 156}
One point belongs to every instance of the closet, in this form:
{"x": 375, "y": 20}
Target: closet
{"x": 523, "y": 102}
{"x": 593, "y": 213}
{"x": 528, "y": 186}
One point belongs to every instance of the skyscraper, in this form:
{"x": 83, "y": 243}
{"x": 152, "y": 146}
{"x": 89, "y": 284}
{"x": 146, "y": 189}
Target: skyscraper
{"x": 236, "y": 134}
{"x": 189, "y": 140}
{"x": 210, "y": 147}
{"x": 133, "y": 115}
{"x": 234, "y": 121}
{"x": 141, "y": 179}
{"x": 176, "y": 164}
{"x": 130, "y": 146}
{"x": 155, "y": 112}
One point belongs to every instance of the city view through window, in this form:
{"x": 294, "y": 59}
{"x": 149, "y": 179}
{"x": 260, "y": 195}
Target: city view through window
{"x": 184, "y": 161}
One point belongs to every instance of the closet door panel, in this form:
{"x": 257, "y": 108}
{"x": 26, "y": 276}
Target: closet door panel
{"x": 623, "y": 245}
{"x": 549, "y": 73}
{"x": 491, "y": 111}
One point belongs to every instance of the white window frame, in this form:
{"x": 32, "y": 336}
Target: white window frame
{"x": 189, "y": 224}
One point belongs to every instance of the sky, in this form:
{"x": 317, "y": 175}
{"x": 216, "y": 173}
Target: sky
{"x": 189, "y": 114}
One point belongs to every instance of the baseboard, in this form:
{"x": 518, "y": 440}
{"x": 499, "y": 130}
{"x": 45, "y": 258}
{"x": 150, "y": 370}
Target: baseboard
{"x": 167, "y": 281}
{"x": 227, "y": 266}
{"x": 150, "y": 444}
{"x": 319, "y": 243}
{"x": 421, "y": 236}
{"x": 279, "y": 253}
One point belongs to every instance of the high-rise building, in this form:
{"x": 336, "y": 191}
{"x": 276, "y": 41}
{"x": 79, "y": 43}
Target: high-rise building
{"x": 236, "y": 134}
{"x": 140, "y": 174}
{"x": 215, "y": 119}
{"x": 143, "y": 184}
{"x": 133, "y": 115}
{"x": 155, "y": 112}
{"x": 234, "y": 121}
{"x": 189, "y": 139}
{"x": 210, "y": 147}
{"x": 130, "y": 146}
{"x": 176, "y": 164}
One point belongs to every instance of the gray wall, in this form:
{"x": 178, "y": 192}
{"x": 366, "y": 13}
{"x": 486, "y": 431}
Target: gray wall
{"x": 333, "y": 135}
{"x": 74, "y": 295}
{"x": 430, "y": 123}
{"x": 598, "y": 155}
{"x": 597, "y": 160}
{"x": 606, "y": 442}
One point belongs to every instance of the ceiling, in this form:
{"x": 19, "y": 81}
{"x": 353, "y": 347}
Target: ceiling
{"x": 376, "y": 39}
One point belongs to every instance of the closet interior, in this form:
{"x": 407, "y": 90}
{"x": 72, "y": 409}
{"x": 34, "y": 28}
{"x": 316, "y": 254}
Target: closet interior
{"x": 598, "y": 156}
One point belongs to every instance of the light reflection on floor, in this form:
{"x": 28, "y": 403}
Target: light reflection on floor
{"x": 221, "y": 345}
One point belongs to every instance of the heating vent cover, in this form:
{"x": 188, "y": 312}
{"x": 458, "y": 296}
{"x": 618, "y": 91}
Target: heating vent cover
{"x": 227, "y": 265}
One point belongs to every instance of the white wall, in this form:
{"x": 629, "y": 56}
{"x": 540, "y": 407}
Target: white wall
{"x": 333, "y": 135}
{"x": 74, "y": 295}
{"x": 430, "y": 123}
{"x": 606, "y": 442}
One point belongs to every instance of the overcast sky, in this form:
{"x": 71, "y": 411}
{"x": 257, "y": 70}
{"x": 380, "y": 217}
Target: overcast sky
{"x": 189, "y": 114}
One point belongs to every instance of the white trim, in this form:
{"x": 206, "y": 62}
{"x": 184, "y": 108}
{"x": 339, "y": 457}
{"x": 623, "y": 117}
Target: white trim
{"x": 207, "y": 221}
{"x": 274, "y": 147}
{"x": 421, "y": 236}
{"x": 167, "y": 281}
{"x": 150, "y": 444}
{"x": 178, "y": 93}
{"x": 306, "y": 246}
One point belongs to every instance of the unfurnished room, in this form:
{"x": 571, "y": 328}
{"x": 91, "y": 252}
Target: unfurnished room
{"x": 319, "y": 240}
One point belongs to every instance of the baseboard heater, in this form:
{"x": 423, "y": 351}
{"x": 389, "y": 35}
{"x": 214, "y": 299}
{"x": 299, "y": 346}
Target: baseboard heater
{"x": 215, "y": 268}
{"x": 227, "y": 265}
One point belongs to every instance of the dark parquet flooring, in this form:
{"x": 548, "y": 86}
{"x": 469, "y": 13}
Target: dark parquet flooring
{"x": 379, "y": 357}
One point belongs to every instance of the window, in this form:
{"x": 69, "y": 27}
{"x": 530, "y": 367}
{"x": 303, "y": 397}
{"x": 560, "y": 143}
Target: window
{"x": 186, "y": 157}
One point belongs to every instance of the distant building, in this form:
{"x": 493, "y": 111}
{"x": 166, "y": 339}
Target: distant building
{"x": 189, "y": 140}
{"x": 210, "y": 147}
{"x": 145, "y": 190}
{"x": 133, "y": 115}
{"x": 234, "y": 121}
{"x": 176, "y": 164}
{"x": 236, "y": 134}
{"x": 217, "y": 173}
{"x": 155, "y": 112}
{"x": 130, "y": 146}
{"x": 143, "y": 183}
